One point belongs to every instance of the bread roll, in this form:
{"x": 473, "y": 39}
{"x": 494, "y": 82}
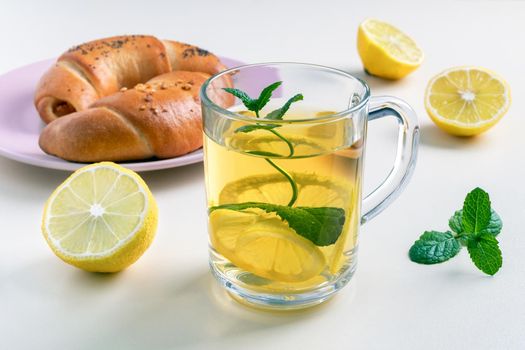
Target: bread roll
{"x": 161, "y": 119}
{"x": 126, "y": 98}
{"x": 99, "y": 68}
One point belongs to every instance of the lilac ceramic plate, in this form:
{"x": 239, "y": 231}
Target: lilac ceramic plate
{"x": 20, "y": 125}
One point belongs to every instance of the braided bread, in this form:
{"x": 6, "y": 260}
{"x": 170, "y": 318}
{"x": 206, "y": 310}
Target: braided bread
{"x": 125, "y": 98}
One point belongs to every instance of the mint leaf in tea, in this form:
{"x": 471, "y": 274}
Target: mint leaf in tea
{"x": 278, "y": 114}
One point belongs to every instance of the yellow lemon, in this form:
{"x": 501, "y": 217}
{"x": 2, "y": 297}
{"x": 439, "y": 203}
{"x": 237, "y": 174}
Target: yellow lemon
{"x": 102, "y": 218}
{"x": 386, "y": 51}
{"x": 467, "y": 101}
{"x": 261, "y": 141}
{"x": 262, "y": 243}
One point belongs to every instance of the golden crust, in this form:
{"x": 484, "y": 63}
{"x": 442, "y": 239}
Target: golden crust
{"x": 157, "y": 113}
{"x": 161, "y": 118}
{"x": 62, "y": 85}
{"x": 166, "y": 111}
{"x": 93, "y": 135}
{"x": 120, "y": 61}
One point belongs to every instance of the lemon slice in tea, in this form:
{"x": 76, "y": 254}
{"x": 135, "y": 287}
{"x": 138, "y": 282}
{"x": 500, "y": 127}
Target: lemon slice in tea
{"x": 265, "y": 245}
{"x": 260, "y": 141}
{"x": 313, "y": 191}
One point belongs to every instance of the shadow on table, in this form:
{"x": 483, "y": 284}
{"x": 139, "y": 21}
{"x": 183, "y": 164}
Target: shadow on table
{"x": 198, "y": 313}
{"x": 33, "y": 182}
{"x": 131, "y": 310}
{"x": 372, "y": 81}
{"x": 432, "y": 136}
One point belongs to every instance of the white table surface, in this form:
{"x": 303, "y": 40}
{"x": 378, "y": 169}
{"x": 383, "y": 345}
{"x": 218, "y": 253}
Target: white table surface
{"x": 168, "y": 300}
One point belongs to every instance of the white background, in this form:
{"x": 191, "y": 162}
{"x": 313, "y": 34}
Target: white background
{"x": 168, "y": 299}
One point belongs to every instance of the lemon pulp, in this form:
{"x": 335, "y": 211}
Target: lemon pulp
{"x": 102, "y": 218}
{"x": 262, "y": 243}
{"x": 466, "y": 101}
{"x": 265, "y": 246}
{"x": 386, "y": 51}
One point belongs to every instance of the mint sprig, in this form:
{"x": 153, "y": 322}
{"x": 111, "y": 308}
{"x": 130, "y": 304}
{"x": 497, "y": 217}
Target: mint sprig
{"x": 475, "y": 226}
{"x": 255, "y": 105}
{"x": 320, "y": 225}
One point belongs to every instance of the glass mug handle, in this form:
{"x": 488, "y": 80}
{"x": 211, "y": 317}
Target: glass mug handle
{"x": 406, "y": 154}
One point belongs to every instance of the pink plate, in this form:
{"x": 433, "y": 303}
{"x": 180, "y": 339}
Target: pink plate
{"x": 20, "y": 125}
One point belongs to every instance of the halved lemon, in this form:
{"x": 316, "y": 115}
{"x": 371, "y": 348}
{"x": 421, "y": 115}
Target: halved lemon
{"x": 102, "y": 218}
{"x": 467, "y": 101}
{"x": 386, "y": 51}
{"x": 262, "y": 243}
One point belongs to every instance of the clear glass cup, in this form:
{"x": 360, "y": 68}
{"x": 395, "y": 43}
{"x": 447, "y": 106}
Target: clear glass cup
{"x": 284, "y": 196}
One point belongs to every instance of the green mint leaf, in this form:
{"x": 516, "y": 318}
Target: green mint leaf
{"x": 280, "y": 112}
{"x": 246, "y": 100}
{"x": 476, "y": 227}
{"x": 456, "y": 222}
{"x": 494, "y": 227}
{"x": 252, "y": 104}
{"x": 485, "y": 253}
{"x": 434, "y": 247}
{"x": 266, "y": 94}
{"x": 476, "y": 211}
{"x": 322, "y": 225}
{"x": 495, "y": 224}
{"x": 253, "y": 127}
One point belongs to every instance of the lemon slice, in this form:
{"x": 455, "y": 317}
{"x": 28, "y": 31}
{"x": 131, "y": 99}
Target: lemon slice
{"x": 467, "y": 101}
{"x": 265, "y": 245}
{"x": 313, "y": 191}
{"x": 261, "y": 141}
{"x": 102, "y": 218}
{"x": 386, "y": 51}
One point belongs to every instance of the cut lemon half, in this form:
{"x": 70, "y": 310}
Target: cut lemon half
{"x": 102, "y": 218}
{"x": 467, "y": 101}
{"x": 262, "y": 243}
{"x": 386, "y": 51}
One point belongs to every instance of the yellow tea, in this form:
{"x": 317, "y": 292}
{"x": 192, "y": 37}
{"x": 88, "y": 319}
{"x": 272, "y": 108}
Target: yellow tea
{"x": 283, "y": 207}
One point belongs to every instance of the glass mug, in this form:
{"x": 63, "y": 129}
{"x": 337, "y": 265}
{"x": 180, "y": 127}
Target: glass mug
{"x": 284, "y": 195}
